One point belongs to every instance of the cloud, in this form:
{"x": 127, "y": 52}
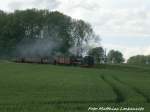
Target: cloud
{"x": 113, "y": 18}
{"x": 40, "y": 4}
{"x": 126, "y": 17}
{"x": 108, "y": 16}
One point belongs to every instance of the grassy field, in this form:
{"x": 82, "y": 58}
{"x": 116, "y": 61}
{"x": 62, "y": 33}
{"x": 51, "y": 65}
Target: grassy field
{"x": 48, "y": 88}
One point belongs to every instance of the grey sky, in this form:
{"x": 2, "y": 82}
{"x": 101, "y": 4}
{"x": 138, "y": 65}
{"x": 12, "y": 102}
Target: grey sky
{"x": 116, "y": 21}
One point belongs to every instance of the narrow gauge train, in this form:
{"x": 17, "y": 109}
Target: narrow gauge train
{"x": 70, "y": 60}
{"x": 59, "y": 60}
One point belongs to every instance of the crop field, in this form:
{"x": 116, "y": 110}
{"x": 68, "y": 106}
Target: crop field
{"x": 49, "y": 88}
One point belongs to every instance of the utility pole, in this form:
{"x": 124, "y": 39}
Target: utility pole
{"x": 147, "y": 61}
{"x": 105, "y": 55}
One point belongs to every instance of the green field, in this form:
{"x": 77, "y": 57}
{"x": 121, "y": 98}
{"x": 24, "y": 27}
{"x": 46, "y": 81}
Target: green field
{"x": 48, "y": 88}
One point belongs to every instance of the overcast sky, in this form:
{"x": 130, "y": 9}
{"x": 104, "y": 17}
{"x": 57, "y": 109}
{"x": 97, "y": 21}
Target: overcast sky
{"x": 122, "y": 24}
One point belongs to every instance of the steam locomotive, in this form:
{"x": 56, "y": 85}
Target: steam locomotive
{"x": 59, "y": 60}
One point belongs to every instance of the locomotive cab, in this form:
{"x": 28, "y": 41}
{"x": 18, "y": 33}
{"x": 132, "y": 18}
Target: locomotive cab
{"x": 88, "y": 61}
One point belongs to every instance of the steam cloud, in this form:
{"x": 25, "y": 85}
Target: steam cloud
{"x": 37, "y": 48}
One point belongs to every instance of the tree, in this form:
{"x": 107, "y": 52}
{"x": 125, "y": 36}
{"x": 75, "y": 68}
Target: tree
{"x": 115, "y": 57}
{"x": 23, "y": 28}
{"x": 139, "y": 59}
{"x": 98, "y": 54}
{"x": 81, "y": 33}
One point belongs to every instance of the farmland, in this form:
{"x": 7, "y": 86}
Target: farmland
{"x": 49, "y": 88}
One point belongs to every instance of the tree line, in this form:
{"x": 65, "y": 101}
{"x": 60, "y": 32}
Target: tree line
{"x": 139, "y": 59}
{"x": 116, "y": 57}
{"x": 41, "y": 33}
{"x": 112, "y": 57}
{"x": 36, "y": 32}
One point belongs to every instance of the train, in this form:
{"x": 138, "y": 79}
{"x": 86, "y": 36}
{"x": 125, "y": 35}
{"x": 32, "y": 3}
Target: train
{"x": 86, "y": 61}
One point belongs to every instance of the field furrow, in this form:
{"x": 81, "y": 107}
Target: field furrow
{"x": 141, "y": 94}
{"x": 118, "y": 93}
{"x": 124, "y": 92}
